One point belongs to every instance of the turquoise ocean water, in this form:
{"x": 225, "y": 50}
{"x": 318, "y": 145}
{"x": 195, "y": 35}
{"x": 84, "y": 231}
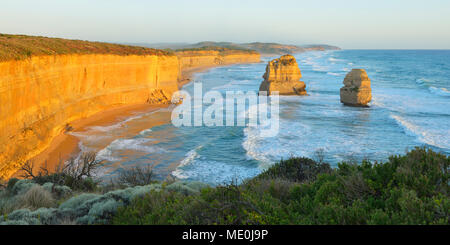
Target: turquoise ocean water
{"x": 410, "y": 107}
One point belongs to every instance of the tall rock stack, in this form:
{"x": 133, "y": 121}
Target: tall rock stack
{"x": 283, "y": 75}
{"x": 356, "y": 90}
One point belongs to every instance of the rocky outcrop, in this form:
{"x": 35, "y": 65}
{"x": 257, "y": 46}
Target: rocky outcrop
{"x": 283, "y": 75}
{"x": 193, "y": 59}
{"x": 356, "y": 90}
{"x": 40, "y": 95}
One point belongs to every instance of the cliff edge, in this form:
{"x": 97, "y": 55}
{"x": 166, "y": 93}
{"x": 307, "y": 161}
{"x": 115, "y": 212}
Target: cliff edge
{"x": 214, "y": 56}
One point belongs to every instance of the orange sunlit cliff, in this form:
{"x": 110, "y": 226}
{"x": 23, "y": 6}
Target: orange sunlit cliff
{"x": 192, "y": 58}
{"x": 47, "y": 83}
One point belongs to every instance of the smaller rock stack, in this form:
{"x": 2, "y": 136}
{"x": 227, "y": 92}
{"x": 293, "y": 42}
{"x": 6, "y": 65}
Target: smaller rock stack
{"x": 356, "y": 90}
{"x": 283, "y": 75}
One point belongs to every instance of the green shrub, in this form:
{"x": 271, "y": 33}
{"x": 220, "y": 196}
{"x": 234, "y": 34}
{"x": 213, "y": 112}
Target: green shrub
{"x": 219, "y": 205}
{"x": 11, "y": 183}
{"x": 297, "y": 169}
{"x": 187, "y": 188}
{"x": 100, "y": 212}
{"x": 59, "y": 191}
{"x": 41, "y": 216}
{"x": 21, "y": 186}
{"x": 409, "y": 189}
{"x": 76, "y": 201}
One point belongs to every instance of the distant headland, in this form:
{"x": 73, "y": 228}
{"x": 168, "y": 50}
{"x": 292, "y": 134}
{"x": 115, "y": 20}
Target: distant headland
{"x": 266, "y": 49}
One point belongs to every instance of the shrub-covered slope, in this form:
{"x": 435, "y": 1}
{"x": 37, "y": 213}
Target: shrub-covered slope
{"x": 409, "y": 189}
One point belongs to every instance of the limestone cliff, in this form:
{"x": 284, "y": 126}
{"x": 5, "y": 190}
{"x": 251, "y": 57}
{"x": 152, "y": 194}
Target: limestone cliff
{"x": 46, "y": 83}
{"x": 283, "y": 75}
{"x": 41, "y": 94}
{"x": 356, "y": 90}
{"x": 192, "y": 59}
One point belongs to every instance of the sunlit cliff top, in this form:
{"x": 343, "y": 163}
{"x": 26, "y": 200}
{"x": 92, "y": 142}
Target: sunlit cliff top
{"x": 19, "y": 47}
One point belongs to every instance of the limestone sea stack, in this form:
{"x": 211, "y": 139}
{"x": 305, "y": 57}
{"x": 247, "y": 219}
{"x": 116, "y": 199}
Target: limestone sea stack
{"x": 283, "y": 75}
{"x": 356, "y": 90}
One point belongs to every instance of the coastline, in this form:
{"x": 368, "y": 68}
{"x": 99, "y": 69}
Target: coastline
{"x": 186, "y": 74}
{"x": 66, "y": 146}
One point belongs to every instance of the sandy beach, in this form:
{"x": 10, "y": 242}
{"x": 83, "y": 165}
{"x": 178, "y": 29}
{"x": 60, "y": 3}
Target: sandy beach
{"x": 66, "y": 146}
{"x": 186, "y": 74}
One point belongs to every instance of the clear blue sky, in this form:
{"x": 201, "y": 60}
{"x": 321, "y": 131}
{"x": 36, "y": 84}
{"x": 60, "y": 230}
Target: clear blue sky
{"x": 345, "y": 23}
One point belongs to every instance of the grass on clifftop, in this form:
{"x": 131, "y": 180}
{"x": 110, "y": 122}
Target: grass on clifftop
{"x": 19, "y": 47}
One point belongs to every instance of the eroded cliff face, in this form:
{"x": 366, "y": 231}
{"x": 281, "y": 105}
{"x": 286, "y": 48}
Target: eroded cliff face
{"x": 40, "y": 95}
{"x": 283, "y": 76}
{"x": 193, "y": 59}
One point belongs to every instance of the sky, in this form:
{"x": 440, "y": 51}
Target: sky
{"x": 349, "y": 24}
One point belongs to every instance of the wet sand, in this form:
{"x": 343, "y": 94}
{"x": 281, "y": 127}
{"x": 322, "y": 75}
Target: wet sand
{"x": 186, "y": 74}
{"x": 65, "y": 146}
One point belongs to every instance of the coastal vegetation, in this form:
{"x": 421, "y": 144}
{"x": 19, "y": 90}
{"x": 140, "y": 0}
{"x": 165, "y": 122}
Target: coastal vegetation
{"x": 407, "y": 189}
{"x": 19, "y": 47}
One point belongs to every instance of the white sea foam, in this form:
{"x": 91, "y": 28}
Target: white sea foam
{"x": 435, "y": 137}
{"x": 215, "y": 172}
{"x": 332, "y": 59}
{"x": 89, "y": 137}
{"x": 439, "y": 91}
{"x": 190, "y": 157}
{"x": 377, "y": 102}
{"x": 134, "y": 144}
{"x": 146, "y": 131}
{"x": 106, "y": 154}
{"x": 106, "y": 128}
{"x": 266, "y": 150}
{"x": 251, "y": 144}
{"x": 422, "y": 81}
{"x": 123, "y": 122}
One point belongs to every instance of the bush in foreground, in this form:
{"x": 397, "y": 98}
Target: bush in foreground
{"x": 34, "y": 205}
{"x": 410, "y": 189}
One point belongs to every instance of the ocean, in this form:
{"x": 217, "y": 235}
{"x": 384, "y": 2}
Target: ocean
{"x": 410, "y": 107}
